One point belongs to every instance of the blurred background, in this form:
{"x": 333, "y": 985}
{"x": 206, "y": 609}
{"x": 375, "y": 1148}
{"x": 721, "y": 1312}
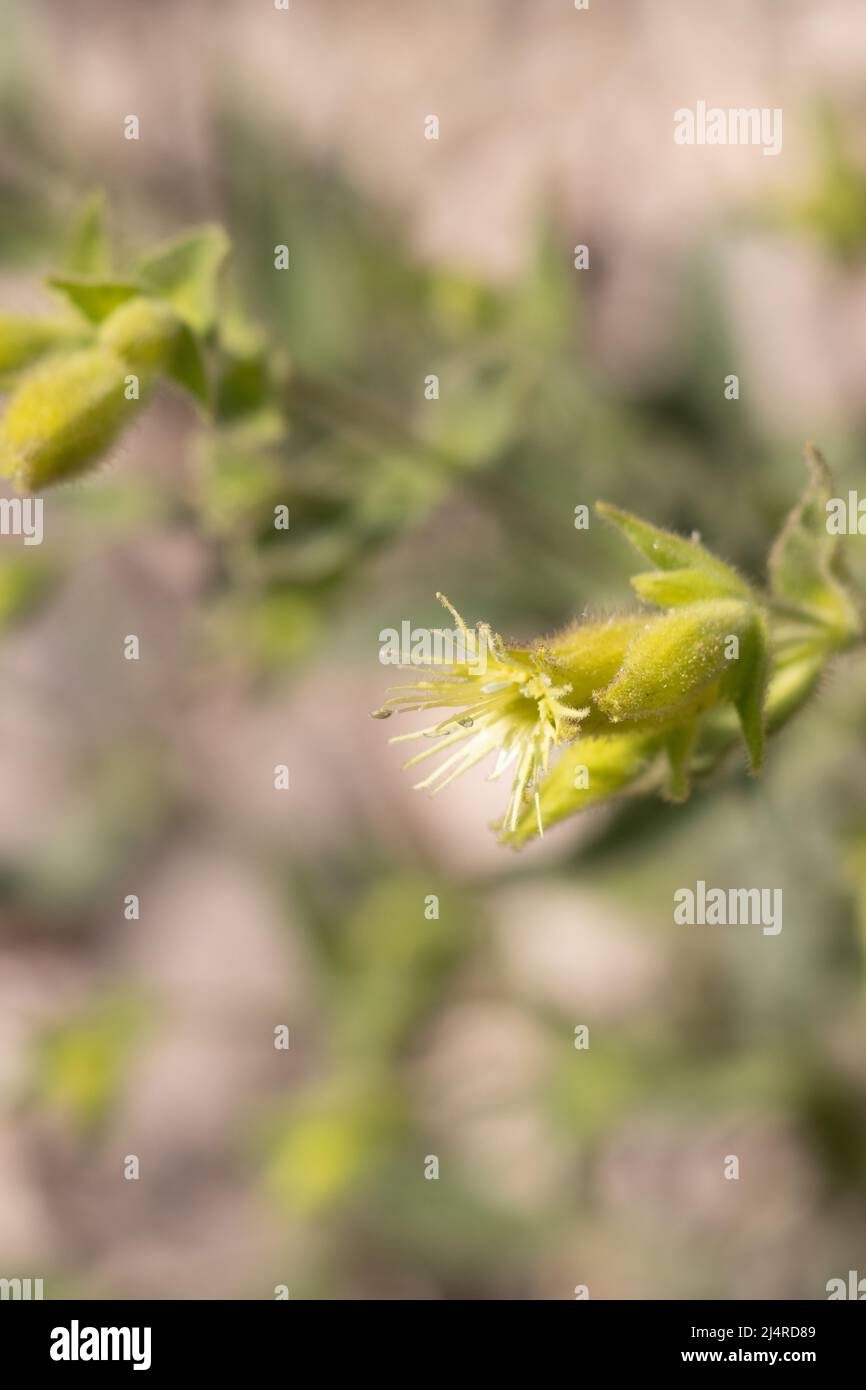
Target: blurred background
{"x": 412, "y": 1036}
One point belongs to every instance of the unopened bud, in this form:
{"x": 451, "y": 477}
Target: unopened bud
{"x": 24, "y": 339}
{"x": 675, "y": 659}
{"x": 143, "y": 332}
{"x": 63, "y": 417}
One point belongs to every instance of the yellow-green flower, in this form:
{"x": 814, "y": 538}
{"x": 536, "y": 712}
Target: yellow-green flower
{"x": 645, "y": 700}
{"x": 523, "y": 703}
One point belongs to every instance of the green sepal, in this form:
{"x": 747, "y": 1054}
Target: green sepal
{"x": 675, "y": 588}
{"x": 96, "y": 298}
{"x": 185, "y": 272}
{"x": 186, "y": 366}
{"x": 807, "y": 569}
{"x": 613, "y": 762}
{"x": 751, "y": 692}
{"x": 680, "y": 746}
{"x": 671, "y": 552}
{"x": 87, "y": 249}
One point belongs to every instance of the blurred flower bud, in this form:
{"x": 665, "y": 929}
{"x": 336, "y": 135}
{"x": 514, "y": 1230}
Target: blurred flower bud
{"x": 63, "y": 417}
{"x": 143, "y": 332}
{"x": 588, "y": 655}
{"x": 24, "y": 339}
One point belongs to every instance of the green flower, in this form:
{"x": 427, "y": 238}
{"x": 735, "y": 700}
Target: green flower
{"x": 648, "y": 700}
{"x": 522, "y": 704}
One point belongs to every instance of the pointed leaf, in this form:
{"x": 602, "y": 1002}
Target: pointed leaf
{"x": 244, "y": 384}
{"x": 186, "y": 366}
{"x": 87, "y": 251}
{"x": 95, "y": 298}
{"x": 670, "y": 552}
{"x": 185, "y": 272}
{"x": 807, "y": 569}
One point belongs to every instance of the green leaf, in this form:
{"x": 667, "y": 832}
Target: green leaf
{"x": 670, "y": 552}
{"x": 476, "y": 422}
{"x": 87, "y": 250}
{"x": 807, "y": 568}
{"x": 79, "y": 1065}
{"x": 187, "y": 367}
{"x": 266, "y": 630}
{"x": 240, "y": 482}
{"x": 95, "y": 298}
{"x": 244, "y": 385}
{"x": 185, "y": 272}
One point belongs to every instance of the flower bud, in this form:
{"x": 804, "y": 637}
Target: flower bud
{"x": 675, "y": 659}
{"x": 64, "y": 415}
{"x": 23, "y": 339}
{"x": 587, "y": 656}
{"x": 143, "y": 332}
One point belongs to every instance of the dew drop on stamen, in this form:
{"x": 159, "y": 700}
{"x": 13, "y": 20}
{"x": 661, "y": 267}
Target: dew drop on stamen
{"x": 466, "y": 723}
{"x": 381, "y": 713}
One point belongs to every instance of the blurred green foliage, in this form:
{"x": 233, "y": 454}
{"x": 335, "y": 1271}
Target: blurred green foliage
{"x": 386, "y": 500}
{"x": 81, "y": 1065}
